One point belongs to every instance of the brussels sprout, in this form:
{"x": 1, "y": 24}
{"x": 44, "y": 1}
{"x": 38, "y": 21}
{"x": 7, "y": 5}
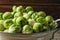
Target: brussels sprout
{"x": 13, "y": 13}
{"x": 18, "y": 14}
{"x": 27, "y": 29}
{"x": 52, "y": 25}
{"x": 45, "y": 28}
{"x": 1, "y": 16}
{"x": 1, "y": 25}
{"x": 41, "y": 13}
{"x": 49, "y": 19}
{"x": 31, "y": 22}
{"x": 21, "y": 20}
{"x": 6, "y": 30}
{"x": 14, "y": 20}
{"x": 33, "y": 16}
{"x": 7, "y": 23}
{"x": 25, "y": 15}
{"x": 41, "y": 20}
{"x": 37, "y": 27}
{"x": 14, "y": 28}
{"x": 28, "y": 8}
{"x": 7, "y": 15}
{"x": 20, "y": 9}
{"x": 29, "y": 14}
{"x": 14, "y": 8}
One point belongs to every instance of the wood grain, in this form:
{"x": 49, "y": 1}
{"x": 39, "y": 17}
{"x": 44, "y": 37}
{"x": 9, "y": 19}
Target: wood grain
{"x": 30, "y": 1}
{"x": 57, "y": 35}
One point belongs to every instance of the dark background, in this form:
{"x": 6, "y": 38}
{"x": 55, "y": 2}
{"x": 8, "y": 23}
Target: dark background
{"x": 51, "y": 7}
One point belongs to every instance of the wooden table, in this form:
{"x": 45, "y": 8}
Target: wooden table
{"x": 57, "y": 35}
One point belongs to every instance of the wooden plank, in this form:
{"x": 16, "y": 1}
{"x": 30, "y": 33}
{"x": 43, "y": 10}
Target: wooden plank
{"x": 57, "y": 35}
{"x": 29, "y": 2}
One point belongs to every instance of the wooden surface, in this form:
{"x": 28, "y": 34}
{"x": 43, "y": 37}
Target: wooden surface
{"x": 57, "y": 35}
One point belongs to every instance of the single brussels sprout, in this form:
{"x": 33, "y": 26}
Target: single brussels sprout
{"x": 14, "y": 8}
{"x": 28, "y": 8}
{"x": 6, "y": 30}
{"x": 21, "y": 20}
{"x": 25, "y": 15}
{"x": 13, "y": 13}
{"x": 52, "y": 25}
{"x": 1, "y": 25}
{"x": 7, "y": 23}
{"x": 14, "y": 20}
{"x": 29, "y": 14}
{"x": 33, "y": 16}
{"x": 37, "y": 27}
{"x": 1, "y": 16}
{"x": 41, "y": 13}
{"x": 20, "y": 9}
{"x": 31, "y": 22}
{"x": 14, "y": 28}
{"x": 27, "y": 29}
{"x": 7, "y": 15}
{"x": 18, "y": 14}
{"x": 45, "y": 28}
{"x": 41, "y": 20}
{"x": 49, "y": 19}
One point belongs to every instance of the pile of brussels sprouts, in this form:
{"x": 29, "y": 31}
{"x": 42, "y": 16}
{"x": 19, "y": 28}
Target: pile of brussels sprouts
{"x": 25, "y": 21}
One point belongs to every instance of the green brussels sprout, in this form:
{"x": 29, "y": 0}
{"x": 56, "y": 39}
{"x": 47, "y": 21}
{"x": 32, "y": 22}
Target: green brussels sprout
{"x": 37, "y": 27}
{"x": 1, "y": 25}
{"x": 27, "y": 29}
{"x": 7, "y": 23}
{"x": 1, "y": 16}
{"x": 28, "y": 8}
{"x": 45, "y": 28}
{"x": 6, "y": 30}
{"x": 29, "y": 14}
{"x": 14, "y": 8}
{"x": 7, "y": 15}
{"x": 14, "y": 20}
{"x": 21, "y": 20}
{"x": 31, "y": 22}
{"x": 49, "y": 19}
{"x": 14, "y": 28}
{"x": 41, "y": 20}
{"x": 52, "y": 25}
{"x": 20, "y": 9}
{"x": 41, "y": 13}
{"x": 13, "y": 13}
{"x": 18, "y": 14}
{"x": 25, "y": 15}
{"x": 33, "y": 16}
